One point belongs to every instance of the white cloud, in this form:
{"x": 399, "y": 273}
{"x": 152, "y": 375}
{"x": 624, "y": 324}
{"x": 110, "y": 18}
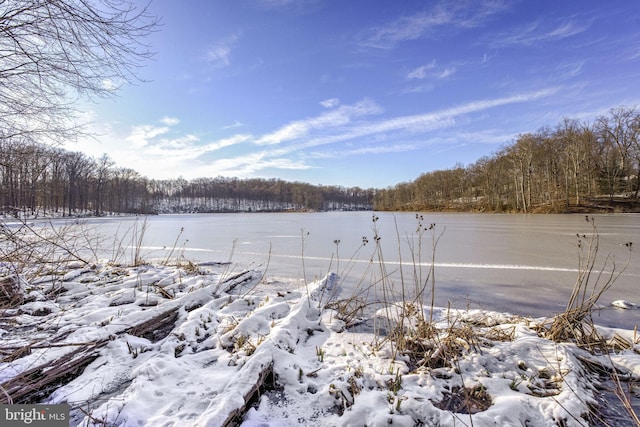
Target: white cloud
{"x": 226, "y": 142}
{"x": 571, "y": 69}
{"x": 231, "y": 126}
{"x": 430, "y": 70}
{"x": 446, "y": 72}
{"x": 247, "y": 165}
{"x": 421, "y": 72}
{"x": 330, "y": 103}
{"x": 297, "y": 5}
{"x": 140, "y": 135}
{"x": 169, "y": 121}
{"x": 567, "y": 29}
{"x": 538, "y": 31}
{"x": 110, "y": 85}
{"x": 143, "y": 135}
{"x": 185, "y": 148}
{"x": 351, "y": 123}
{"x": 219, "y": 54}
{"x": 377, "y": 149}
{"x": 174, "y": 144}
{"x": 165, "y": 155}
{"x": 487, "y": 136}
{"x": 331, "y": 119}
{"x": 284, "y": 163}
{"x": 428, "y": 87}
{"x": 410, "y": 27}
{"x": 418, "y": 73}
{"x": 276, "y": 3}
{"x": 460, "y": 14}
{"x": 398, "y": 126}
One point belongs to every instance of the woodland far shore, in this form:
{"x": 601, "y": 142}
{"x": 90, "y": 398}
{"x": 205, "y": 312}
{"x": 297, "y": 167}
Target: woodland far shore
{"x": 574, "y": 167}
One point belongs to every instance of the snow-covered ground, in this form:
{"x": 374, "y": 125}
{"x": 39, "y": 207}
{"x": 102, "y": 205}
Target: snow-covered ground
{"x": 216, "y": 333}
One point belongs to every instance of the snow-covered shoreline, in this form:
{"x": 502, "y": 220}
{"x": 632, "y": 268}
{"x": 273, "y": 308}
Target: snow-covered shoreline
{"x": 221, "y": 334}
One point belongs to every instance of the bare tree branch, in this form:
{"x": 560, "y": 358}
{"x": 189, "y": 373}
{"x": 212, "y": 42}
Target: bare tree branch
{"x": 54, "y": 52}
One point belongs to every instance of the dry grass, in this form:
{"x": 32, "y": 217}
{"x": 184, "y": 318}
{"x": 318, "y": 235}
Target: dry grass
{"x": 430, "y": 343}
{"x": 464, "y": 400}
{"x": 575, "y": 323}
{"x": 10, "y": 295}
{"x": 28, "y": 251}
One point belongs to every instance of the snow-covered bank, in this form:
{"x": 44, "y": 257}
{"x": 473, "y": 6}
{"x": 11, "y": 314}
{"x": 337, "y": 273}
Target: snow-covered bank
{"x": 192, "y": 346}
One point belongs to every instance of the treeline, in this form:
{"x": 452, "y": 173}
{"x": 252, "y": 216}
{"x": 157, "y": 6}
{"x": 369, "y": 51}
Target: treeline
{"x": 574, "y": 164}
{"x": 555, "y": 169}
{"x": 255, "y": 195}
{"x": 37, "y": 179}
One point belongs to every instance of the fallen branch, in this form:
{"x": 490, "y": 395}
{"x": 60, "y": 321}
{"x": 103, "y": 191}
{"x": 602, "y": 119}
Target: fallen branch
{"x": 249, "y": 394}
{"x": 154, "y": 324}
{"x": 34, "y": 384}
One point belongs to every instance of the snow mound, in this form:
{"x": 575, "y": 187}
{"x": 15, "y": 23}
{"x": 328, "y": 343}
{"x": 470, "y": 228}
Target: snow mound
{"x": 163, "y": 346}
{"x": 624, "y": 304}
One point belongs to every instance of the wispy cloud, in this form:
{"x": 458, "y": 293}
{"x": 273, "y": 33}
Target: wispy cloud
{"x": 371, "y": 149}
{"x": 142, "y": 134}
{"x": 446, "y": 72}
{"x": 179, "y": 143}
{"x": 421, "y": 72}
{"x": 331, "y": 119}
{"x": 164, "y": 143}
{"x": 460, "y": 15}
{"x": 250, "y": 164}
{"x": 421, "y": 88}
{"x": 431, "y": 71}
{"x": 359, "y": 130}
{"x": 111, "y": 85}
{"x": 540, "y": 31}
{"x": 402, "y": 125}
{"x": 571, "y": 70}
{"x": 486, "y": 136}
{"x": 567, "y": 29}
{"x": 235, "y": 124}
{"x": 189, "y": 147}
{"x": 350, "y": 129}
{"x": 297, "y": 6}
{"x": 169, "y": 121}
{"x": 330, "y": 103}
{"x": 275, "y": 3}
{"x": 218, "y": 55}
{"x": 226, "y": 142}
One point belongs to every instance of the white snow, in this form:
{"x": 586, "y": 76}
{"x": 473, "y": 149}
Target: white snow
{"x": 221, "y": 341}
{"x": 620, "y": 303}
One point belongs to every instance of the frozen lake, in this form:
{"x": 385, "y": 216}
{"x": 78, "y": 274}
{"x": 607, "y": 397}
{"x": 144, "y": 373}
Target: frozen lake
{"x": 525, "y": 264}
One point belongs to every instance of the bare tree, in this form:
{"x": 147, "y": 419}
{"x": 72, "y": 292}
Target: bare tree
{"x": 52, "y": 52}
{"x": 101, "y": 176}
{"x": 623, "y": 128}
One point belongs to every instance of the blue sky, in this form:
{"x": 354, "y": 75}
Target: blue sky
{"x": 364, "y": 93}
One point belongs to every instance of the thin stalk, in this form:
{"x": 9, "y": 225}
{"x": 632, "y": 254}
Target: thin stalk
{"x": 304, "y": 271}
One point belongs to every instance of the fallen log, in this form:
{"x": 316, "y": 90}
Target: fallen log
{"x": 230, "y": 283}
{"x": 249, "y": 396}
{"x": 32, "y": 385}
{"x": 239, "y": 393}
{"x": 156, "y": 328}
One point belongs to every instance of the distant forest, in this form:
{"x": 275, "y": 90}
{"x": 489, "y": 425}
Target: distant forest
{"x": 574, "y": 166}
{"x": 40, "y": 180}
